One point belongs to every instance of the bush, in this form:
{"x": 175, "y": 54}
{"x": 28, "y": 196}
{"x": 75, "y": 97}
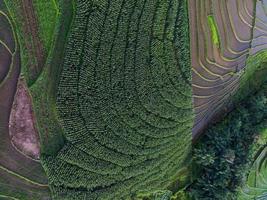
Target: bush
{"x": 223, "y": 153}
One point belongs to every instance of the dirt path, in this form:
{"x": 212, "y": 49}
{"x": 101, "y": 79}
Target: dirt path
{"x": 31, "y": 28}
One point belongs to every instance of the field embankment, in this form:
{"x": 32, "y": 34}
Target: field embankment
{"x": 21, "y": 177}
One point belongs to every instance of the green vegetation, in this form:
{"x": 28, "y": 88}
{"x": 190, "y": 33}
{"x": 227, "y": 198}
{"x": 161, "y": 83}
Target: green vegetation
{"x": 256, "y": 185}
{"x": 47, "y": 13}
{"x": 223, "y": 153}
{"x": 214, "y": 30}
{"x": 26, "y": 58}
{"x": 45, "y": 88}
{"x": 13, "y": 186}
{"x": 256, "y": 66}
{"x": 35, "y": 33}
{"x": 157, "y": 195}
{"x": 111, "y": 86}
{"x": 127, "y": 129}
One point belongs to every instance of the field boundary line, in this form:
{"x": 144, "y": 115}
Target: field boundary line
{"x": 22, "y": 177}
{"x": 7, "y": 48}
{"x": 11, "y": 25}
{"x": 4, "y": 196}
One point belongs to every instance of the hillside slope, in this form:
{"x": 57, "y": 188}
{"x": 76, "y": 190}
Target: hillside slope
{"x": 124, "y": 100}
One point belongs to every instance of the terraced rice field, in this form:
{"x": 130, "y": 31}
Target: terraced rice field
{"x": 19, "y": 174}
{"x": 259, "y": 42}
{"x": 217, "y": 69}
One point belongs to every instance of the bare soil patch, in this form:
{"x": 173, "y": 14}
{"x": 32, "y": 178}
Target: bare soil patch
{"x": 10, "y": 158}
{"x": 22, "y": 130}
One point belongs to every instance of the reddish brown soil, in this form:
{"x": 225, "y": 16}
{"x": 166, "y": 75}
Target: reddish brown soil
{"x": 22, "y": 130}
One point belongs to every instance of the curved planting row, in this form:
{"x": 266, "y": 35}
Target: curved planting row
{"x": 19, "y": 174}
{"x": 259, "y": 42}
{"x": 256, "y": 185}
{"x": 221, "y": 34}
{"x": 124, "y": 100}
{"x": 7, "y": 46}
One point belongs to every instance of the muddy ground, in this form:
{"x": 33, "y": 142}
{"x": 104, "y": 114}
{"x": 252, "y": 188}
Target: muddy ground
{"x": 5, "y": 62}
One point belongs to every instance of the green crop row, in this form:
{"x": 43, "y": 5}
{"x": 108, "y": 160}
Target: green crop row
{"x": 123, "y": 99}
{"x": 45, "y": 88}
{"x": 214, "y": 31}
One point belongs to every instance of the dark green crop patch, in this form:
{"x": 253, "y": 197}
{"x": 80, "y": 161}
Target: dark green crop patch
{"x": 124, "y": 100}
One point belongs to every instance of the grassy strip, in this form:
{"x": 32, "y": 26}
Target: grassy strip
{"x": 26, "y": 58}
{"x": 12, "y": 183}
{"x": 12, "y": 187}
{"x": 45, "y": 88}
{"x": 47, "y": 14}
{"x": 214, "y": 31}
{"x": 3, "y": 12}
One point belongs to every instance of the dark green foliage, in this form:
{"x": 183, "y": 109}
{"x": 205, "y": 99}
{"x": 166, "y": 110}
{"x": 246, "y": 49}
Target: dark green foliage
{"x": 223, "y": 153}
{"x": 124, "y": 100}
{"x": 44, "y": 90}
